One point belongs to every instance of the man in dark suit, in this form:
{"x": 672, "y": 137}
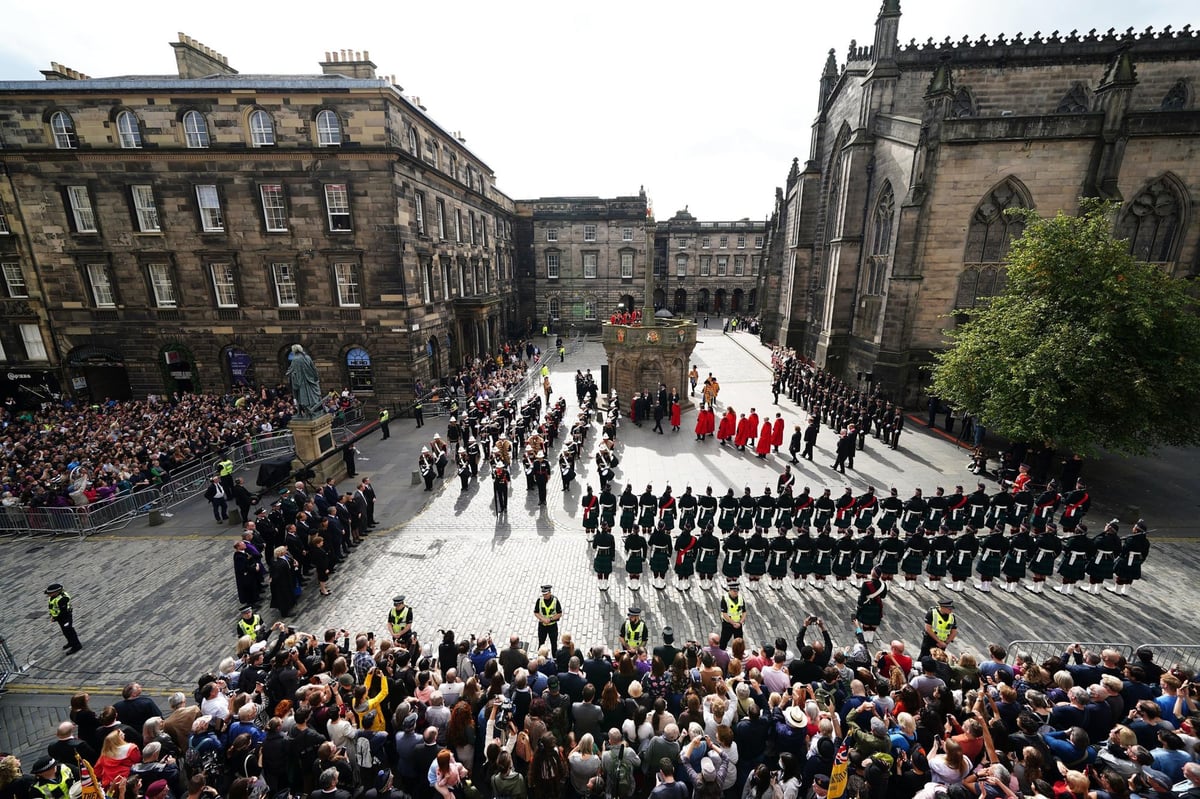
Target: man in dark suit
{"x": 598, "y": 668}
{"x": 845, "y": 451}
{"x": 135, "y": 708}
{"x": 68, "y": 744}
{"x": 810, "y": 437}
{"x": 243, "y": 499}
{"x": 369, "y": 492}
{"x": 572, "y": 680}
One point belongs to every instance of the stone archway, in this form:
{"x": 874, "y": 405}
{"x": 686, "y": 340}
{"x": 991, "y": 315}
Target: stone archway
{"x": 735, "y": 303}
{"x": 680, "y": 304}
{"x": 702, "y": 301}
{"x": 719, "y": 301}
{"x": 433, "y": 348}
{"x": 660, "y": 299}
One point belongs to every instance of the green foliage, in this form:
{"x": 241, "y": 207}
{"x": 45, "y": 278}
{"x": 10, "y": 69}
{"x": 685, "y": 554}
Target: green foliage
{"x": 1087, "y": 348}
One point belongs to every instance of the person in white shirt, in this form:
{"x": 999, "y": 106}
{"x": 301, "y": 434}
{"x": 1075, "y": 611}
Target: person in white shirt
{"x": 775, "y": 677}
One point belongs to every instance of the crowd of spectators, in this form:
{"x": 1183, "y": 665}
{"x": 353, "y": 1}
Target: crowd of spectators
{"x": 332, "y": 716}
{"x": 488, "y": 377}
{"x": 65, "y": 453}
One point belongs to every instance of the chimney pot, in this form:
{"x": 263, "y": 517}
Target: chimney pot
{"x": 344, "y": 55}
{"x": 326, "y": 55}
{"x": 366, "y": 55}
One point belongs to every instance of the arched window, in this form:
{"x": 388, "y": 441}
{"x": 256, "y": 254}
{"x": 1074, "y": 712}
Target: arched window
{"x": 329, "y": 129}
{"x": 63, "y": 128}
{"x": 964, "y": 104}
{"x": 1151, "y": 222}
{"x": 413, "y": 144}
{"x": 702, "y": 300}
{"x": 195, "y": 130}
{"x": 1177, "y": 97}
{"x": 553, "y": 309}
{"x": 881, "y": 241}
{"x": 1074, "y": 101}
{"x": 262, "y": 132}
{"x": 128, "y": 133}
{"x": 358, "y": 370}
{"x": 989, "y": 235}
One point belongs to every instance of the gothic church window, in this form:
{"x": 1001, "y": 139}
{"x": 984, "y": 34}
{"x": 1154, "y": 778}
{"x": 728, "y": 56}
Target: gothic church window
{"x": 1074, "y": 101}
{"x": 881, "y": 241}
{"x": 964, "y": 104}
{"x": 989, "y": 235}
{"x": 1176, "y": 98}
{"x": 1151, "y": 222}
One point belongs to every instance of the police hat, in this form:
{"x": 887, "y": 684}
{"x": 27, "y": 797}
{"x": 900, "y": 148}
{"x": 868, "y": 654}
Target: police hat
{"x": 44, "y": 764}
{"x": 545, "y": 589}
{"x": 398, "y": 599}
{"x": 247, "y": 609}
{"x": 943, "y": 602}
{"x": 54, "y": 588}
{"x": 635, "y": 611}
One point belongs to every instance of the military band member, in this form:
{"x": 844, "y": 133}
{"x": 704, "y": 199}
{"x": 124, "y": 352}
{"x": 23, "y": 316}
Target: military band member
{"x": 604, "y": 469}
{"x": 463, "y": 465}
{"x": 1134, "y": 549}
{"x": 787, "y": 480}
{"x": 1105, "y": 548}
{"x": 602, "y": 562}
{"x": 635, "y": 558}
{"x": 1046, "y": 547}
{"x": 733, "y": 614}
{"x": 528, "y": 464}
{"x": 941, "y": 548}
{"x": 708, "y": 557}
{"x": 473, "y": 455}
{"x": 991, "y": 556}
{"x": 660, "y": 557}
{"x": 966, "y": 545}
{"x": 1073, "y": 566}
{"x": 500, "y": 481}
{"x": 1020, "y": 547}
{"x": 427, "y": 463}
{"x": 566, "y": 469}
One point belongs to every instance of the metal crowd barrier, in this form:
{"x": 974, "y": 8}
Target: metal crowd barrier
{"x": 1041, "y": 651}
{"x": 115, "y": 513}
{"x": 1187, "y": 656}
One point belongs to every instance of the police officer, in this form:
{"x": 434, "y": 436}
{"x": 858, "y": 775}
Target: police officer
{"x": 54, "y": 779}
{"x": 733, "y": 614}
{"x": 548, "y": 610}
{"x": 419, "y": 413}
{"x": 250, "y": 625}
{"x": 385, "y": 416}
{"x": 940, "y": 627}
{"x": 399, "y": 621}
{"x": 633, "y": 631}
{"x": 225, "y": 472}
{"x": 60, "y": 611}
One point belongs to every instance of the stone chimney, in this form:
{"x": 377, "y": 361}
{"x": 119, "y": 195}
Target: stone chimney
{"x": 351, "y": 63}
{"x": 194, "y": 60}
{"x": 58, "y": 72}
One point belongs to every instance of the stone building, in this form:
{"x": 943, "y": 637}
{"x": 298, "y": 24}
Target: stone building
{"x": 708, "y": 267}
{"x": 582, "y": 259}
{"x": 179, "y": 233}
{"x": 895, "y": 220}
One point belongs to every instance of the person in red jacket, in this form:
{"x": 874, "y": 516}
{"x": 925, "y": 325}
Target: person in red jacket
{"x": 765, "y": 437}
{"x": 728, "y": 426}
{"x": 676, "y": 415}
{"x": 753, "y": 419}
{"x": 743, "y": 432}
{"x": 777, "y": 432}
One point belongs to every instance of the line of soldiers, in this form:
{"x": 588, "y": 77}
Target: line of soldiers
{"x": 945, "y": 537}
{"x": 837, "y": 404}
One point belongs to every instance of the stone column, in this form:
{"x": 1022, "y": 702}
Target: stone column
{"x": 648, "y": 318}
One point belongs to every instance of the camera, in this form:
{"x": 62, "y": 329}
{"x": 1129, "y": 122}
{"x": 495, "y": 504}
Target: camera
{"x": 504, "y": 712}
{"x": 370, "y": 636}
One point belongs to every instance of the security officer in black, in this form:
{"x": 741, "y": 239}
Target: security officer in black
{"x": 400, "y": 619}
{"x": 548, "y": 610}
{"x": 250, "y": 624}
{"x": 385, "y": 417}
{"x": 60, "y": 611}
{"x": 419, "y": 413}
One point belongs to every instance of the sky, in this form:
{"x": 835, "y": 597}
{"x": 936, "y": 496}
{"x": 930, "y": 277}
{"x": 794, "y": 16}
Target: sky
{"x": 705, "y": 104}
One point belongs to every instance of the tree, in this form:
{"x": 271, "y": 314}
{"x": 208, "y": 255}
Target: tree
{"x": 1086, "y": 348}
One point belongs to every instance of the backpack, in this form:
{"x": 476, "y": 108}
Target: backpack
{"x": 620, "y": 781}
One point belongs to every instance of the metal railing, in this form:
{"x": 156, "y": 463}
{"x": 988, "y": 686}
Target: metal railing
{"x": 116, "y": 512}
{"x": 9, "y": 667}
{"x": 1170, "y": 655}
{"x": 1041, "y": 651}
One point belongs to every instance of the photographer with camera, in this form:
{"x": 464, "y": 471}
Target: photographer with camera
{"x": 809, "y": 666}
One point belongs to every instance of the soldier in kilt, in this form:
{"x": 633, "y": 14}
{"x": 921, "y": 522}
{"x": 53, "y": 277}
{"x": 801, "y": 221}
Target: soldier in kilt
{"x": 590, "y": 505}
{"x": 868, "y": 612}
{"x": 1134, "y": 549}
{"x": 660, "y": 557}
{"x": 764, "y": 511}
{"x": 667, "y": 510}
{"x": 913, "y": 562}
{"x": 991, "y": 557}
{"x": 635, "y": 558}
{"x": 1074, "y": 559}
{"x": 687, "y": 510}
{"x": 778, "y": 555}
{"x": 729, "y": 511}
{"x": 823, "y": 548}
{"x": 708, "y": 509}
{"x": 746, "y": 510}
{"x": 865, "y": 507}
{"x": 803, "y": 508}
{"x": 941, "y": 548}
{"x": 966, "y": 545}
{"x": 1105, "y": 549}
{"x": 844, "y": 551}
{"x": 1020, "y": 547}
{"x": 608, "y": 506}
{"x": 629, "y": 505}
{"x": 756, "y": 558}
{"x": 802, "y": 558}
{"x": 735, "y": 553}
{"x": 707, "y": 557}
{"x": 824, "y": 508}
{"x": 685, "y": 559}
{"x": 913, "y": 516}
{"x": 891, "y": 550}
{"x": 1046, "y": 547}
{"x": 602, "y": 562}
{"x": 647, "y": 510}
{"x": 864, "y": 557}
{"x": 784, "y": 512}
{"x": 890, "y": 508}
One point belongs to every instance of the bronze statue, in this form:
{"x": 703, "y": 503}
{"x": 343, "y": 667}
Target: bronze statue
{"x": 306, "y": 385}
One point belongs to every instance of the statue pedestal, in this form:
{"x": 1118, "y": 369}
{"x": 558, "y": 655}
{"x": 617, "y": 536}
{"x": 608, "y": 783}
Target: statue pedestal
{"x": 639, "y": 358}
{"x": 314, "y": 438}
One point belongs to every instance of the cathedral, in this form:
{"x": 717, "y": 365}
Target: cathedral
{"x": 894, "y": 224}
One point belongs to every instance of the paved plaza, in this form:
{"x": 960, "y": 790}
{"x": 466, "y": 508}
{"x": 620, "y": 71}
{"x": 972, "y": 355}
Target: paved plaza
{"x": 158, "y": 604}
